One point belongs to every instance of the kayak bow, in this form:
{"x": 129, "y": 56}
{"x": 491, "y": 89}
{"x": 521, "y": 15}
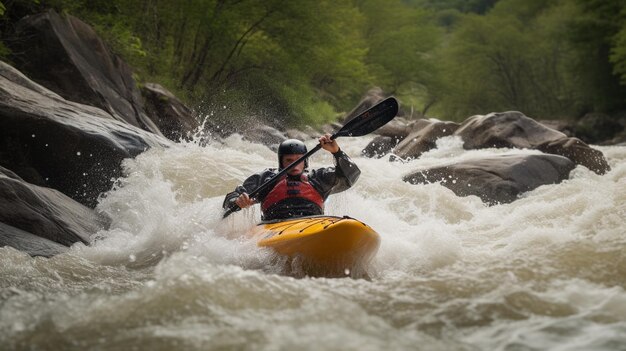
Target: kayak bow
{"x": 326, "y": 245}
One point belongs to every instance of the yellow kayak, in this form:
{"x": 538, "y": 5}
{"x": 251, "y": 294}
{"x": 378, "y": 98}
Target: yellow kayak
{"x": 324, "y": 245}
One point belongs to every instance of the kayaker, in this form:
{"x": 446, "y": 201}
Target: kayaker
{"x": 300, "y": 192}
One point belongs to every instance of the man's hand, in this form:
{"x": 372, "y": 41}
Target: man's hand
{"x": 244, "y": 201}
{"x": 328, "y": 144}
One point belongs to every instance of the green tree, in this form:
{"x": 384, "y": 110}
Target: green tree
{"x": 465, "y": 6}
{"x": 300, "y": 60}
{"x": 518, "y": 57}
{"x": 618, "y": 52}
{"x": 595, "y": 34}
{"x": 401, "y": 39}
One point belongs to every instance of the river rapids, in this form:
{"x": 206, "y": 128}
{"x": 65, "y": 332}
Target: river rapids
{"x": 546, "y": 272}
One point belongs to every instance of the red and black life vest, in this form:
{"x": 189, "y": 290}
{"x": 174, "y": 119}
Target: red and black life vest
{"x": 293, "y": 193}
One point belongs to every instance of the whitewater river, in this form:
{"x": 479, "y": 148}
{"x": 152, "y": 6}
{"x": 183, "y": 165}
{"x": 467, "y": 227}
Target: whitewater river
{"x": 547, "y": 272}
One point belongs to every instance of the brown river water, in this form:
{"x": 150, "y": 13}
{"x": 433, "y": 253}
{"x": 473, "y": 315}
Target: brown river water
{"x": 546, "y": 272}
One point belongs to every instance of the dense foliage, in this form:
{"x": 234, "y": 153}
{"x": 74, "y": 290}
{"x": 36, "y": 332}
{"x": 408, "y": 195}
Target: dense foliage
{"x": 306, "y": 61}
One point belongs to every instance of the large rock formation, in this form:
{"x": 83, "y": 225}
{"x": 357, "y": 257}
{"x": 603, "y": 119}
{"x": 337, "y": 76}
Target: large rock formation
{"x": 510, "y": 129}
{"x": 423, "y": 137}
{"x": 380, "y": 146}
{"x": 52, "y": 142}
{"x": 29, "y": 243}
{"x": 579, "y": 152}
{"x": 388, "y": 137}
{"x": 408, "y": 139}
{"x": 300, "y": 135}
{"x": 598, "y": 127}
{"x": 264, "y": 135}
{"x": 42, "y": 213}
{"x": 514, "y": 130}
{"x": 564, "y": 126}
{"x": 172, "y": 117}
{"x": 398, "y": 128}
{"x": 66, "y": 55}
{"x": 498, "y": 179}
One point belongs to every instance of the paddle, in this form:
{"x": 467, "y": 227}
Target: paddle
{"x": 365, "y": 123}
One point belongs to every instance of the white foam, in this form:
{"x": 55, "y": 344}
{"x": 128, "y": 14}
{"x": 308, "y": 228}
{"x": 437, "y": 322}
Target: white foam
{"x": 447, "y": 265}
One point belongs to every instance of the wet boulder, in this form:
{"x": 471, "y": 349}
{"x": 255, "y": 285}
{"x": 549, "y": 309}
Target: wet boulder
{"x": 595, "y": 128}
{"x": 423, "y": 137}
{"x": 496, "y": 179}
{"x": 380, "y": 146}
{"x": 390, "y": 135}
{"x": 510, "y": 129}
{"x": 565, "y": 127}
{"x": 51, "y": 142}
{"x": 171, "y": 116}
{"x": 265, "y": 135}
{"x": 43, "y": 213}
{"x": 299, "y": 134}
{"x": 398, "y": 128}
{"x": 579, "y": 152}
{"x": 26, "y": 242}
{"x": 66, "y": 56}
{"x": 515, "y": 130}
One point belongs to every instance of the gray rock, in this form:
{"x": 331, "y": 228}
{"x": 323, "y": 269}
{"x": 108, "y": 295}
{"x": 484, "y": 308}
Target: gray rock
{"x": 172, "y": 117}
{"x": 29, "y": 243}
{"x": 264, "y": 135}
{"x": 298, "y": 134}
{"x": 579, "y": 152}
{"x": 595, "y": 128}
{"x": 514, "y": 130}
{"x": 52, "y": 142}
{"x": 380, "y": 146}
{"x": 562, "y": 126}
{"x": 398, "y": 128}
{"x": 498, "y": 179}
{"x": 510, "y": 129}
{"x": 44, "y": 213}
{"x": 66, "y": 55}
{"x": 423, "y": 138}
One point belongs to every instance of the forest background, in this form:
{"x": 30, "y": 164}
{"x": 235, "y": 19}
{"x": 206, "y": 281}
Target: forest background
{"x": 309, "y": 61}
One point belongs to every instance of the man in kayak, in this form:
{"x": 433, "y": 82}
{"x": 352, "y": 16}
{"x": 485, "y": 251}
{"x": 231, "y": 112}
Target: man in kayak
{"x": 300, "y": 192}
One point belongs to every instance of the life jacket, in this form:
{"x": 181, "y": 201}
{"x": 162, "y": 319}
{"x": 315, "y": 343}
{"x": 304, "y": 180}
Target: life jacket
{"x": 292, "y": 197}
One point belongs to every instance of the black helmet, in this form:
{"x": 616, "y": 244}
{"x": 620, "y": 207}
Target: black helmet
{"x": 290, "y": 147}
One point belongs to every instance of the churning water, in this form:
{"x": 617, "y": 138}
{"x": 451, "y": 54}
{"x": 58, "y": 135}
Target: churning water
{"x": 547, "y": 272}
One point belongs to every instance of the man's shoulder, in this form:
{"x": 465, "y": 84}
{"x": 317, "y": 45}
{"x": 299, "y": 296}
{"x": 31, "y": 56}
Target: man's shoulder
{"x": 264, "y": 174}
{"x": 268, "y": 172}
{"x": 317, "y": 172}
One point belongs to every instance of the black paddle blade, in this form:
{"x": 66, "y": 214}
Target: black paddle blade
{"x": 370, "y": 120}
